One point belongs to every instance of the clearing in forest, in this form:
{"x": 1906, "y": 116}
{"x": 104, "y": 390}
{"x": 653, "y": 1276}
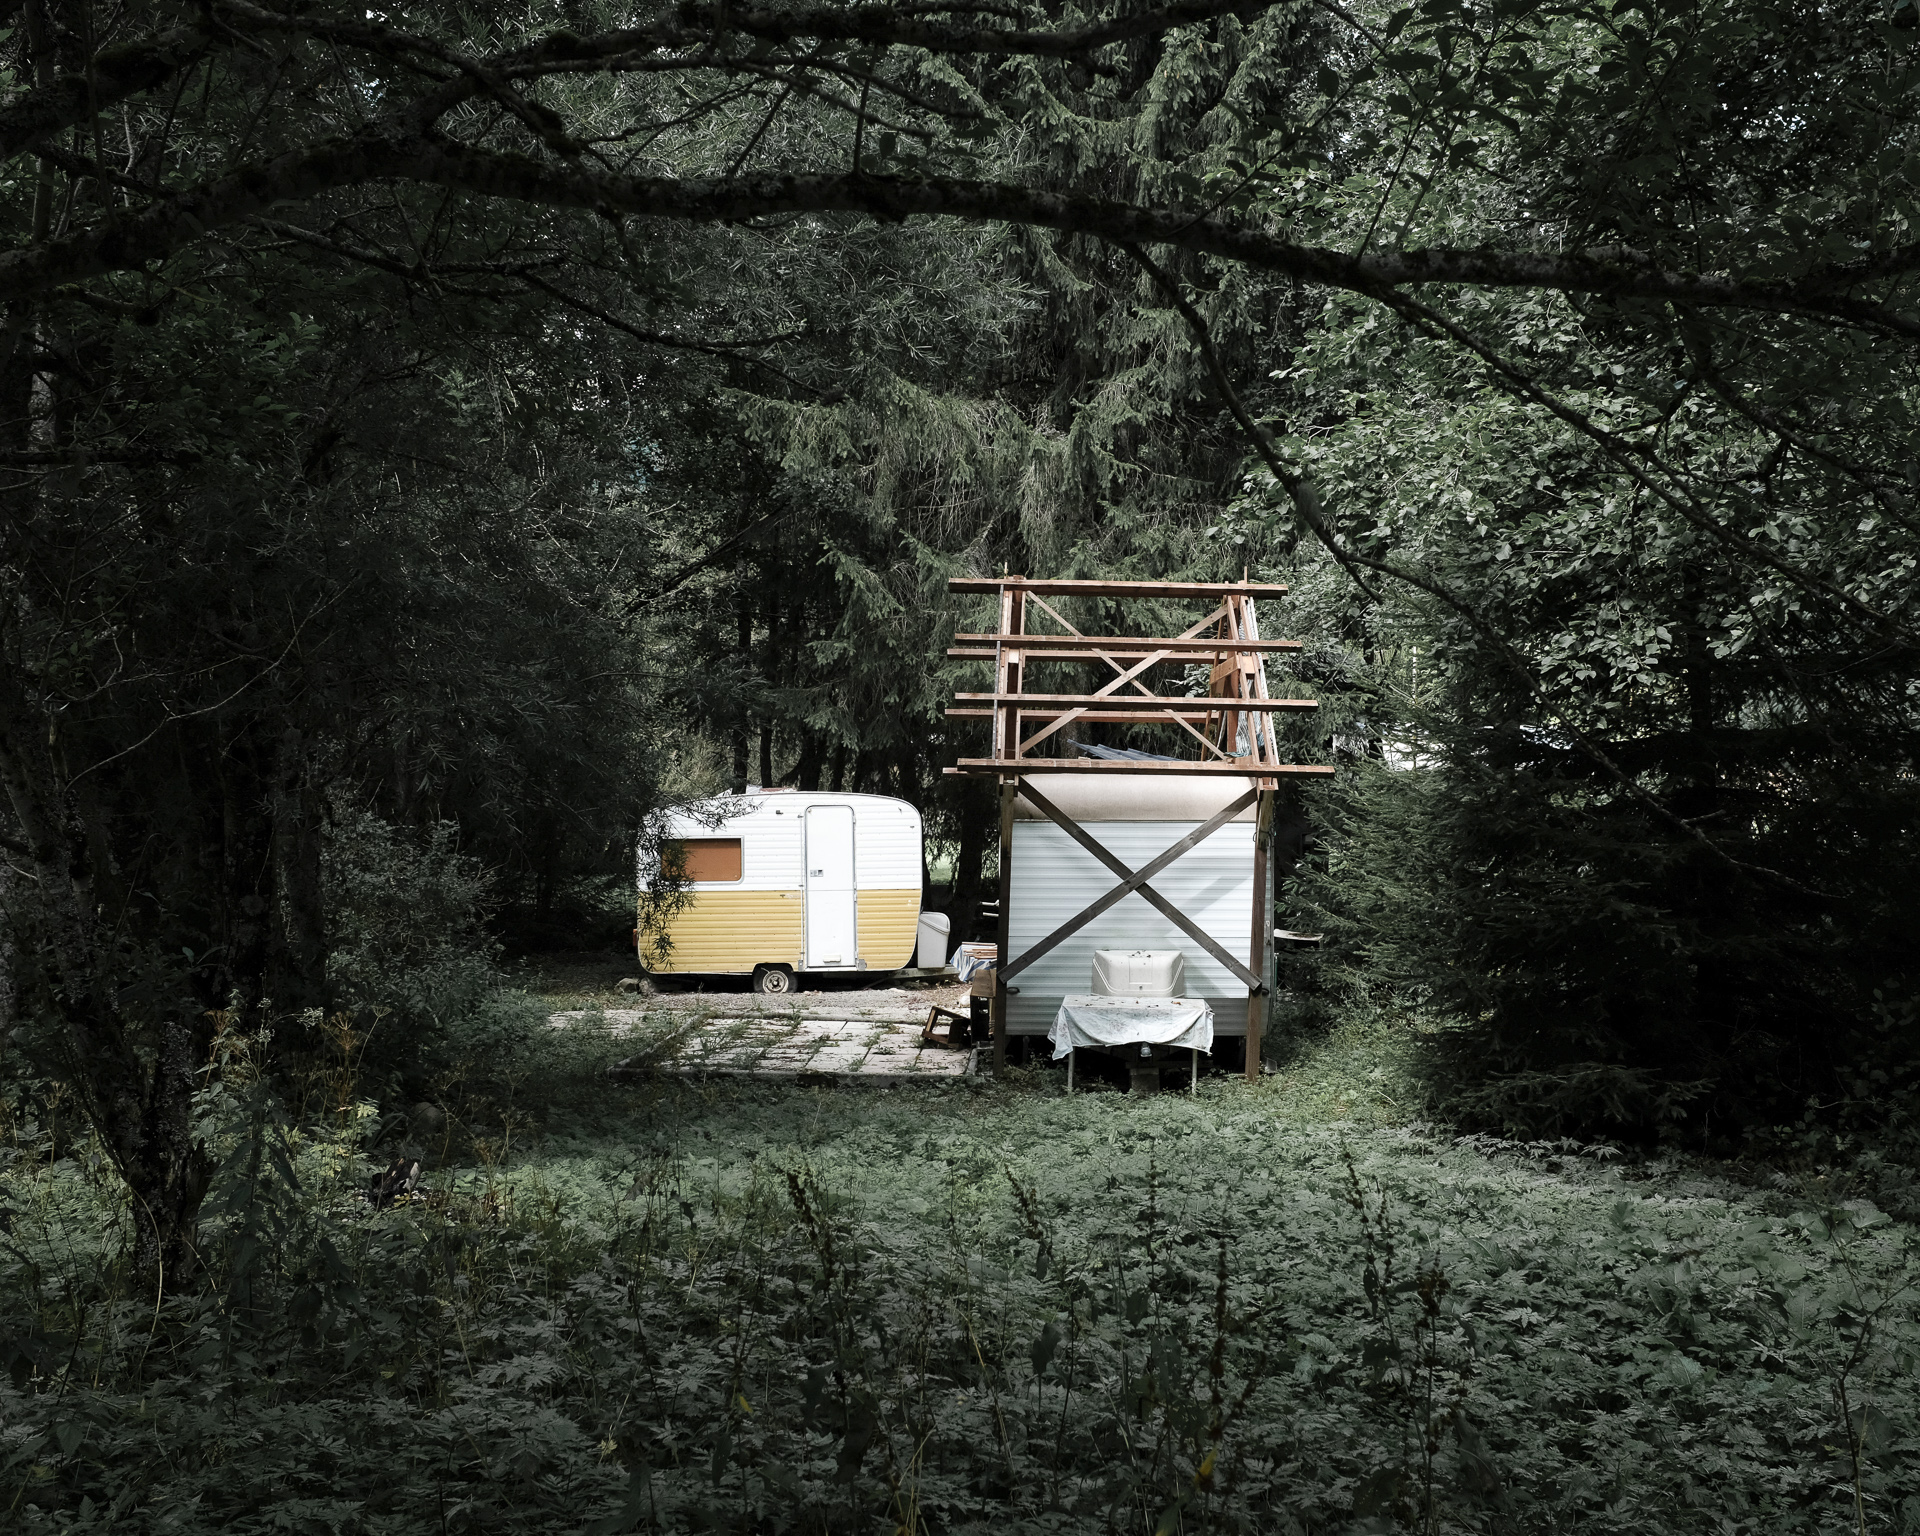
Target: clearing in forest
{"x": 680, "y": 1303}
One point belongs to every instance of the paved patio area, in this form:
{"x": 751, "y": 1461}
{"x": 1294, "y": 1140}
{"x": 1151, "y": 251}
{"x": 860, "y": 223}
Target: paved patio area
{"x": 871, "y": 1037}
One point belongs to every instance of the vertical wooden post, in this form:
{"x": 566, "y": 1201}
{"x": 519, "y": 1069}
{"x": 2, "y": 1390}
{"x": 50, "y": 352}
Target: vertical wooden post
{"x": 1231, "y": 720}
{"x": 1009, "y": 792}
{"x": 1010, "y": 673}
{"x": 999, "y": 745}
{"x": 1262, "y": 935}
{"x": 1006, "y": 745}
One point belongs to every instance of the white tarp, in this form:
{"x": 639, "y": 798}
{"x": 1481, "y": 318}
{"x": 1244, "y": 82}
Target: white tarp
{"x": 970, "y": 966}
{"x": 1085, "y": 1019}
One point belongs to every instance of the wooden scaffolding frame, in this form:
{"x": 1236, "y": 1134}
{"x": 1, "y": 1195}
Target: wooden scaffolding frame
{"x": 1232, "y": 722}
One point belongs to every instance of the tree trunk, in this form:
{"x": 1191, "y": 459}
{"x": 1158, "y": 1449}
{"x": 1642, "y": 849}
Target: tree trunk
{"x": 545, "y": 853}
{"x": 297, "y": 950}
{"x": 813, "y": 753}
{"x": 769, "y": 673}
{"x": 135, "y": 1081}
{"x": 235, "y": 974}
{"x": 8, "y": 896}
{"x": 977, "y": 822}
{"x": 907, "y": 770}
{"x": 743, "y": 617}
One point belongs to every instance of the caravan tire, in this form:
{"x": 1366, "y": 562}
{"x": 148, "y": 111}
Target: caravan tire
{"x": 775, "y": 979}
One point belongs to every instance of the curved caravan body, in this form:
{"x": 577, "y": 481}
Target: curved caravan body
{"x": 806, "y": 882}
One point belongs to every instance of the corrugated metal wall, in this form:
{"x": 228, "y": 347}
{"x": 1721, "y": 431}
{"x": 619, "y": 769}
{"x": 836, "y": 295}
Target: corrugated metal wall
{"x": 1054, "y": 877}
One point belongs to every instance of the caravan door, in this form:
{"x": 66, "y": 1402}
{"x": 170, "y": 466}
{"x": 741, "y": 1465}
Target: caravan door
{"x": 832, "y": 938}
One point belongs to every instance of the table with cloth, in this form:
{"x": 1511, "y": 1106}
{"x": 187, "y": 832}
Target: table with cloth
{"x": 1087, "y": 1019}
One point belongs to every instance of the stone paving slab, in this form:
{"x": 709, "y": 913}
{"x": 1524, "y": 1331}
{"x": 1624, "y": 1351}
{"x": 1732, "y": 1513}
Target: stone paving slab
{"x": 894, "y": 1005}
{"x": 881, "y": 1051}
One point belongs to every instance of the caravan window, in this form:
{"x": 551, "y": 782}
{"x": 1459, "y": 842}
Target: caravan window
{"x": 707, "y": 860}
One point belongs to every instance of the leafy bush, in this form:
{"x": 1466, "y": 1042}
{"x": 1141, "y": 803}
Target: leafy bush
{"x": 406, "y": 913}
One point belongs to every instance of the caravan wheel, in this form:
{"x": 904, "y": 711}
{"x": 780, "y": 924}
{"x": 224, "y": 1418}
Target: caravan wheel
{"x": 775, "y": 979}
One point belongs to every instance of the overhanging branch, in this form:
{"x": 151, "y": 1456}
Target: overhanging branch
{"x": 115, "y": 74}
{"x": 1300, "y": 489}
{"x": 406, "y": 149}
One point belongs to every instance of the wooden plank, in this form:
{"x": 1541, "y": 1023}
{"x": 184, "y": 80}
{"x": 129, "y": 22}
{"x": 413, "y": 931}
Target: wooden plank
{"x": 1016, "y": 765}
{"x": 1252, "y": 682}
{"x": 1131, "y": 675}
{"x": 1103, "y": 717}
{"x": 1099, "y": 716}
{"x": 1059, "y": 703}
{"x": 984, "y": 585}
{"x": 1124, "y": 653}
{"x": 1121, "y": 645}
{"x": 1112, "y": 685}
{"x": 1007, "y": 676}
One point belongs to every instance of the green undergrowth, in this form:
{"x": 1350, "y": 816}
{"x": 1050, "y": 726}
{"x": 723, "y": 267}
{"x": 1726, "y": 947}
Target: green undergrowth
{"x": 686, "y": 1306}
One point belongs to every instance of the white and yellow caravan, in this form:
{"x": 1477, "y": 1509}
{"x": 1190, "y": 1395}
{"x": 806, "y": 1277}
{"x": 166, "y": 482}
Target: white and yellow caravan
{"x": 783, "y": 882}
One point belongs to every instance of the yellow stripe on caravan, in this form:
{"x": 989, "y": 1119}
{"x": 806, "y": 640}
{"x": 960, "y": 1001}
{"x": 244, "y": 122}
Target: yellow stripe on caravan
{"x": 721, "y": 931}
{"x": 733, "y": 931}
{"x": 888, "y": 925}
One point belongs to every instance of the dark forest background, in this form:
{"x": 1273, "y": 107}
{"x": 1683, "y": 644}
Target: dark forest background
{"x": 437, "y": 439}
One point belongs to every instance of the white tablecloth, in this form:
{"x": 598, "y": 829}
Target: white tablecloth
{"x": 1084, "y": 1019}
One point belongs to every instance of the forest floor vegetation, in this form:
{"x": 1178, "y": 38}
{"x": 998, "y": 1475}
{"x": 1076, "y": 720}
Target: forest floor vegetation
{"x": 672, "y": 1305}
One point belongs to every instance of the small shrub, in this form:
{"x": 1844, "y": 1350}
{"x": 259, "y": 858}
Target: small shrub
{"x": 406, "y": 914}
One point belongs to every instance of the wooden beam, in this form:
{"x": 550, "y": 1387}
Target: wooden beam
{"x": 1099, "y": 716}
{"x": 1007, "y": 765}
{"x": 1074, "y": 711}
{"x": 1257, "y": 954}
{"x": 1009, "y": 792}
{"x": 1131, "y": 676}
{"x": 1135, "y": 881}
{"x": 1062, "y": 703}
{"x": 1008, "y": 676}
{"x": 1123, "y": 653}
{"x": 1121, "y": 645}
{"x": 1131, "y": 880}
{"x": 987, "y": 585}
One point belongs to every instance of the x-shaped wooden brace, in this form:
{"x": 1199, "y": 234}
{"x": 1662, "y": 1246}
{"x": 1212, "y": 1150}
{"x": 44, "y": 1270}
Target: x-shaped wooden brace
{"x": 1131, "y": 880}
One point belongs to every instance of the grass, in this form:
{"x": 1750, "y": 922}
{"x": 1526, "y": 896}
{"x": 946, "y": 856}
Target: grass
{"x": 689, "y": 1306}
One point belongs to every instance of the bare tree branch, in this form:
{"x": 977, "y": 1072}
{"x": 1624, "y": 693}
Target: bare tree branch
{"x": 405, "y": 148}
{"x": 116, "y": 74}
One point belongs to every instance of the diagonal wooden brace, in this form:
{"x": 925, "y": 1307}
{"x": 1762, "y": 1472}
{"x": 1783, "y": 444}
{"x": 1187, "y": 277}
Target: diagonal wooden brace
{"x": 1131, "y": 880}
